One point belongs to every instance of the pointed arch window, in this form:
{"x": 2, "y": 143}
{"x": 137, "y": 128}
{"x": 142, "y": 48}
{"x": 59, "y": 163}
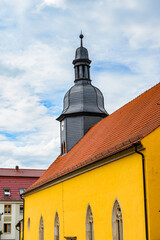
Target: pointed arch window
{"x": 64, "y": 147}
{"x": 117, "y": 221}
{"x": 41, "y": 229}
{"x": 56, "y": 227}
{"x": 89, "y": 224}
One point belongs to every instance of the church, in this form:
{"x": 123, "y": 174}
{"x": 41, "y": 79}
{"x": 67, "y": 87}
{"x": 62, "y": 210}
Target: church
{"x": 105, "y": 184}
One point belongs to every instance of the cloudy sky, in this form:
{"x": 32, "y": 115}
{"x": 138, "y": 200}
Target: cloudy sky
{"x": 38, "y": 39}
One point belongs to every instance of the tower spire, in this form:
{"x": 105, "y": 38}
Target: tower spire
{"x": 83, "y": 103}
{"x": 81, "y": 37}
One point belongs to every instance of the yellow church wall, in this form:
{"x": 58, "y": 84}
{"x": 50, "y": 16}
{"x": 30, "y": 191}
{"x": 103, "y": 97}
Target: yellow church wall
{"x": 121, "y": 179}
{"x": 152, "y": 160}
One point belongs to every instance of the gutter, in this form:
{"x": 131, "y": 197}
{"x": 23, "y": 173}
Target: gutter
{"x": 90, "y": 164}
{"x": 144, "y": 188}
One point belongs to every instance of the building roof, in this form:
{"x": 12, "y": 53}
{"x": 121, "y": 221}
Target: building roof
{"x": 127, "y": 125}
{"x": 83, "y": 98}
{"x": 14, "y": 180}
{"x": 10, "y": 172}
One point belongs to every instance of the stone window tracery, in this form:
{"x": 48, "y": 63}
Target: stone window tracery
{"x": 89, "y": 224}
{"x": 56, "y": 227}
{"x": 41, "y": 229}
{"x": 117, "y": 221}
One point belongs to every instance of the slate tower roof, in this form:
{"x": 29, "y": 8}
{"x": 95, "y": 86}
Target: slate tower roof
{"x": 83, "y": 97}
{"x": 83, "y": 104}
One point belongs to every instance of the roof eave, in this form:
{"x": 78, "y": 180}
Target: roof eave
{"x": 90, "y": 165}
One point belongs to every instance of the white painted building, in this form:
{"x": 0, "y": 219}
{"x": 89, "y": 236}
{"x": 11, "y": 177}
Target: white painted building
{"x": 12, "y": 183}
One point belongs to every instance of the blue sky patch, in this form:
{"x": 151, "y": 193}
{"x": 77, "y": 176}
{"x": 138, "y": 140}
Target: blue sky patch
{"x": 47, "y": 104}
{"x": 112, "y": 67}
{"x": 14, "y": 136}
{"x": 9, "y": 72}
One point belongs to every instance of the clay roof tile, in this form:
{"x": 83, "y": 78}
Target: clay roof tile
{"x": 125, "y": 126}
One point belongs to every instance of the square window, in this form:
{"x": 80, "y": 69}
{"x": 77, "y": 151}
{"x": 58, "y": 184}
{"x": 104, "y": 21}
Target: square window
{"x": 6, "y": 192}
{"x": 7, "y": 228}
{"x": 21, "y": 208}
{"x": 7, "y": 209}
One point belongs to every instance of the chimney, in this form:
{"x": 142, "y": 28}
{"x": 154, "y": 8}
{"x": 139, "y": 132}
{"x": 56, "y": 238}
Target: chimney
{"x": 17, "y": 168}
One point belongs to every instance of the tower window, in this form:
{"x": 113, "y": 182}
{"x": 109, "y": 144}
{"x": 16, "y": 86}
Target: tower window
{"x": 63, "y": 148}
{"x": 78, "y": 71}
{"x": 88, "y": 72}
{"x": 83, "y": 69}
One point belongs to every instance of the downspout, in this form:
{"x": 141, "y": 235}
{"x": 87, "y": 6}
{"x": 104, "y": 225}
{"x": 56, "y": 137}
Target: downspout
{"x": 23, "y": 217}
{"x": 144, "y": 188}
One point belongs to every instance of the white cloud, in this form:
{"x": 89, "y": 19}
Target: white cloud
{"x": 54, "y": 3}
{"x": 37, "y": 46}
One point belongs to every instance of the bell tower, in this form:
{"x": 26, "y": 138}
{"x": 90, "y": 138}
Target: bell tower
{"x": 83, "y": 104}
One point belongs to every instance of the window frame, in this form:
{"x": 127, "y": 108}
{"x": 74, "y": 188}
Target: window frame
{"x": 7, "y": 228}
{"x": 7, "y": 205}
{"x": 5, "y": 190}
{"x": 117, "y": 221}
{"x": 20, "y": 209}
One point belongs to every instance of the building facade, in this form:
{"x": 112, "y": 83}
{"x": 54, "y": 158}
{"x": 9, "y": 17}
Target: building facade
{"x": 13, "y": 182}
{"x": 107, "y": 185}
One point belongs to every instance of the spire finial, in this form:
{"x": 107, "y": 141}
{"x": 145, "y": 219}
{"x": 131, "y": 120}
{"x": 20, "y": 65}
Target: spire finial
{"x": 81, "y": 37}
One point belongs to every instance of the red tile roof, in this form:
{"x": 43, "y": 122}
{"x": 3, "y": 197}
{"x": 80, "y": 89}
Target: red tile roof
{"x": 21, "y": 172}
{"x": 15, "y": 180}
{"x": 127, "y": 125}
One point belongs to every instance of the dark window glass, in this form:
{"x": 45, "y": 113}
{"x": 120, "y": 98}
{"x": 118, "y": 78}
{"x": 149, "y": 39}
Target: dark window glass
{"x": 21, "y": 208}
{"x": 7, "y": 192}
{"x": 7, "y": 209}
{"x": 7, "y": 228}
